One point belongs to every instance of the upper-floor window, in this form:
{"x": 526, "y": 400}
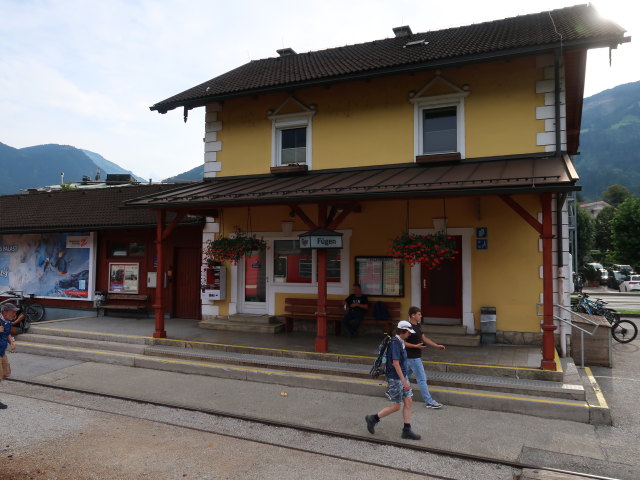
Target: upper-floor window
{"x": 439, "y": 130}
{"x": 291, "y": 137}
{"x": 292, "y": 141}
{"x": 439, "y": 119}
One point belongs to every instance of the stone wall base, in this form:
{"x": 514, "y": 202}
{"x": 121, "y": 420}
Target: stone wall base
{"x": 518, "y": 338}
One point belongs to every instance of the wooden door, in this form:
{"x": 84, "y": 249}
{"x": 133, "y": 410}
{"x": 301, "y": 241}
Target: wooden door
{"x": 186, "y": 278}
{"x": 442, "y": 291}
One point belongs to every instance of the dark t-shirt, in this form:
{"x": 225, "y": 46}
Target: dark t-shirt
{"x": 362, "y": 300}
{"x": 415, "y": 339}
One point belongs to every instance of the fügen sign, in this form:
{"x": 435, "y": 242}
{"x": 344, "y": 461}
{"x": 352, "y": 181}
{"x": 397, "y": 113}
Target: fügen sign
{"x": 321, "y": 238}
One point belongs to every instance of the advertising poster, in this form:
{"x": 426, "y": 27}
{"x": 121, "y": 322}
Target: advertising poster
{"x": 57, "y": 265}
{"x": 123, "y": 277}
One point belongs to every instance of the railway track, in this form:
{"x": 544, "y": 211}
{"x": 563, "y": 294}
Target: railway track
{"x": 519, "y": 469}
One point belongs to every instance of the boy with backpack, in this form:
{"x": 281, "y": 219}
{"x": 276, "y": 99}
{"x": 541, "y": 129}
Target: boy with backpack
{"x": 398, "y": 389}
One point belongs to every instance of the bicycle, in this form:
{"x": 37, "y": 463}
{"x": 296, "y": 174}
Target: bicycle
{"x": 623, "y": 331}
{"x": 33, "y": 312}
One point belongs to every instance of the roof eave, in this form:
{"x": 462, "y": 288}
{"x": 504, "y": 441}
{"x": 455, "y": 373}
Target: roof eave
{"x": 611, "y": 41}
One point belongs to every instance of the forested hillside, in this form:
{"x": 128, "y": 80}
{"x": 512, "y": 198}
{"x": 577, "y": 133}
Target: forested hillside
{"x": 610, "y": 141}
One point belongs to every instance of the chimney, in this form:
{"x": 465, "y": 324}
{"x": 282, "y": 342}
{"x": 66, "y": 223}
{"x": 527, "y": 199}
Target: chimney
{"x": 61, "y": 178}
{"x": 404, "y": 31}
{"x": 285, "y": 52}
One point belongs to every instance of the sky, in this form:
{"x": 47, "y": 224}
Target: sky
{"x": 85, "y": 72}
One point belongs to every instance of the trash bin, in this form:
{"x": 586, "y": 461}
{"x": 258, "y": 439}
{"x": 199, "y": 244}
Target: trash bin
{"x": 487, "y": 325}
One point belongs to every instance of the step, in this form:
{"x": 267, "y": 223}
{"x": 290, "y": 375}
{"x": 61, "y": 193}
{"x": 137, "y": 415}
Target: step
{"x": 429, "y": 330}
{"x": 455, "y": 340}
{"x": 475, "y": 369}
{"x": 493, "y": 399}
{"x": 240, "y": 325}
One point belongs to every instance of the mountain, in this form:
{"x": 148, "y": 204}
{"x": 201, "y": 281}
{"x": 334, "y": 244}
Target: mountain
{"x": 42, "y": 165}
{"x": 195, "y": 174}
{"x": 107, "y": 166}
{"x": 610, "y": 141}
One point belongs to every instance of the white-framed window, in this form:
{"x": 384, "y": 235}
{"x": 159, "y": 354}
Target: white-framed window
{"x": 439, "y": 125}
{"x": 291, "y": 140}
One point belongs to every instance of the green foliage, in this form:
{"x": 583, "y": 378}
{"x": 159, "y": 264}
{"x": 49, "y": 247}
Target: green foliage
{"x": 615, "y": 195}
{"x": 590, "y": 274}
{"x": 603, "y": 240}
{"x": 65, "y": 187}
{"x": 585, "y": 228}
{"x": 626, "y": 231}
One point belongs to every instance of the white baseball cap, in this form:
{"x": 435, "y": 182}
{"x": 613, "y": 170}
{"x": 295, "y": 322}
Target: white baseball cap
{"x": 404, "y": 325}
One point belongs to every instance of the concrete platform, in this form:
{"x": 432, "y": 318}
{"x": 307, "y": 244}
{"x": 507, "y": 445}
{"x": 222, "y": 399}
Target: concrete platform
{"x": 270, "y": 359}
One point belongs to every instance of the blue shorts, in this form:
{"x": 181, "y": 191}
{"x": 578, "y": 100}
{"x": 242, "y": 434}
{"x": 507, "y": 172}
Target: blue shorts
{"x": 396, "y": 392}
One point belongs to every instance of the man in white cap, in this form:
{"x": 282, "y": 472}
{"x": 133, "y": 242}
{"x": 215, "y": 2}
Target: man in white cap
{"x": 8, "y": 313}
{"x": 398, "y": 389}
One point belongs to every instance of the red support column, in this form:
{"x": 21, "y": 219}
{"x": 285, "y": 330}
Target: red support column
{"x": 158, "y": 305}
{"x": 548, "y": 327}
{"x": 322, "y": 342}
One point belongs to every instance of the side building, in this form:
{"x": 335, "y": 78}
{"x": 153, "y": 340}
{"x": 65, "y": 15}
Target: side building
{"x": 71, "y": 248}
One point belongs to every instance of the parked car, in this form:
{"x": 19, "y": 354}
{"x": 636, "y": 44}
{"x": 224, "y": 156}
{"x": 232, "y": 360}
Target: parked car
{"x": 615, "y": 279}
{"x": 633, "y": 283}
{"x": 624, "y": 269}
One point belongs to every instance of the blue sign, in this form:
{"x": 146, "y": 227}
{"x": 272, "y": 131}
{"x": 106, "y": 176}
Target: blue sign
{"x": 482, "y": 244}
{"x": 481, "y": 232}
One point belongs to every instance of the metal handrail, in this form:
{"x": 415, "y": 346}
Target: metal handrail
{"x": 572, "y": 325}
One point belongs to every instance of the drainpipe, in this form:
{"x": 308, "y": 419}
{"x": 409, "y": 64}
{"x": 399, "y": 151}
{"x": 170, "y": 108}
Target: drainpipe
{"x": 556, "y": 76}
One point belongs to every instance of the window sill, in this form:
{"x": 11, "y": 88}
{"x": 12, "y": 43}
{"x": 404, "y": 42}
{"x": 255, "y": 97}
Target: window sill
{"x": 289, "y": 169}
{"x": 438, "y": 158}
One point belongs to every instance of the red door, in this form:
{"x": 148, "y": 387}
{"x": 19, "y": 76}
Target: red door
{"x": 442, "y": 290}
{"x": 186, "y": 278}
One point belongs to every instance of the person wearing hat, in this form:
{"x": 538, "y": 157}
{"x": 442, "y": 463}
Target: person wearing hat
{"x": 398, "y": 388}
{"x": 8, "y": 313}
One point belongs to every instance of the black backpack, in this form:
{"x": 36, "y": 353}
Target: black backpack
{"x": 380, "y": 311}
{"x": 379, "y": 365}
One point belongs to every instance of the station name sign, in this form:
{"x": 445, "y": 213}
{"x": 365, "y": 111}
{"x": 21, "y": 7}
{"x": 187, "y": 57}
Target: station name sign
{"x": 321, "y": 238}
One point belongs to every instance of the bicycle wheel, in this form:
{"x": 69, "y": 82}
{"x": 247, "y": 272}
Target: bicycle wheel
{"x": 624, "y": 331}
{"x": 34, "y": 311}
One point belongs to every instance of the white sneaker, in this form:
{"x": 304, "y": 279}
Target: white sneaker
{"x": 433, "y": 404}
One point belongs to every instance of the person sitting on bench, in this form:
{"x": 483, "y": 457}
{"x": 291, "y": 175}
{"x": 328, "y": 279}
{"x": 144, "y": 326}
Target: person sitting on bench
{"x": 356, "y": 306}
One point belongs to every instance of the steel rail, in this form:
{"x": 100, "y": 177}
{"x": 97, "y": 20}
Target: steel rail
{"x": 312, "y": 430}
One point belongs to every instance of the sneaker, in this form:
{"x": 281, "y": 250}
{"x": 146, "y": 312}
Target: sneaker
{"x": 410, "y": 435}
{"x": 433, "y": 404}
{"x": 2, "y": 406}
{"x": 371, "y": 423}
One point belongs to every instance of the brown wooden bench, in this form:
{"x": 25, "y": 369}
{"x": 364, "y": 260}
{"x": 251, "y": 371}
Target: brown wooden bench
{"x": 132, "y": 302}
{"x": 304, "y": 309}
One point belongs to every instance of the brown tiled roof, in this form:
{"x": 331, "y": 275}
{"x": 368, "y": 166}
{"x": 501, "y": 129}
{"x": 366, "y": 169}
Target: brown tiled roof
{"x": 574, "y": 27}
{"x": 76, "y": 210}
{"x": 496, "y": 176}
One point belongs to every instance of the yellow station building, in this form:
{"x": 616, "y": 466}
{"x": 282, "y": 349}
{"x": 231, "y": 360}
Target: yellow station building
{"x": 469, "y": 130}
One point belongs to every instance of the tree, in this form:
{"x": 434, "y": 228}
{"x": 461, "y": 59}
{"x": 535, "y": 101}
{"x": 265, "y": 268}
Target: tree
{"x": 602, "y": 238}
{"x": 615, "y": 195}
{"x": 626, "y": 231}
{"x": 584, "y": 225}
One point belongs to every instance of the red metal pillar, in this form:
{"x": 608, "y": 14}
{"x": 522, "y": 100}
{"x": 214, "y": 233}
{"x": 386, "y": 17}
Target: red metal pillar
{"x": 158, "y": 305}
{"x": 322, "y": 341}
{"x": 548, "y": 327}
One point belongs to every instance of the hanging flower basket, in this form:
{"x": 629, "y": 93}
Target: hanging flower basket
{"x": 430, "y": 250}
{"x": 233, "y": 248}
